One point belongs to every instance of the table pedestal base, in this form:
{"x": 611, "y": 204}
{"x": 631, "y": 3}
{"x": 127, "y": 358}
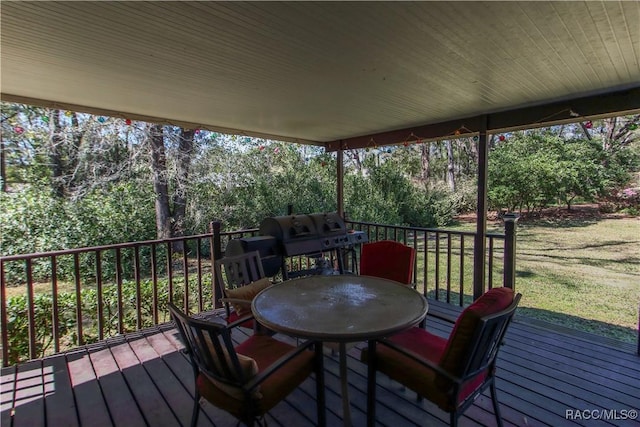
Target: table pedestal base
{"x": 346, "y": 404}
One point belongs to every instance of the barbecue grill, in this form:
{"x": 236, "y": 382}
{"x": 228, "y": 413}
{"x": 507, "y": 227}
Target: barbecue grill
{"x": 300, "y": 235}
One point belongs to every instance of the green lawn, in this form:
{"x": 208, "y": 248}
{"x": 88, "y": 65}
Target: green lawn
{"x": 582, "y": 273}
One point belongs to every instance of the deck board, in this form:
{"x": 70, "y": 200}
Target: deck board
{"x": 7, "y": 394}
{"x": 144, "y": 379}
{"x": 59, "y": 402}
{"x": 29, "y": 394}
{"x": 91, "y": 406}
{"x": 116, "y": 392}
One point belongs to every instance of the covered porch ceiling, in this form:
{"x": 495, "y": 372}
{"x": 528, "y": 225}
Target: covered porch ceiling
{"x": 337, "y": 74}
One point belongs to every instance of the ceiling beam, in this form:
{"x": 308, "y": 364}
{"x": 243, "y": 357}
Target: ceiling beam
{"x": 7, "y": 97}
{"x": 621, "y": 102}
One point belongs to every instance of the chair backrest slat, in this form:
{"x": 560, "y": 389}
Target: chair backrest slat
{"x": 236, "y": 271}
{"x": 487, "y": 339}
{"x": 209, "y": 346}
{"x": 239, "y": 270}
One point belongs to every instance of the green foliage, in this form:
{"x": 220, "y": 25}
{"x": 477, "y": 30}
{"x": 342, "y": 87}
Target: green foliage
{"x": 35, "y": 221}
{"x": 387, "y": 194}
{"x": 17, "y": 314}
{"x": 533, "y": 170}
{"x": 258, "y": 179}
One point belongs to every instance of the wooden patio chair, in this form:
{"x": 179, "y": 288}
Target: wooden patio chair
{"x": 452, "y": 372}
{"x": 388, "y": 259}
{"x": 239, "y": 278}
{"x": 251, "y": 378}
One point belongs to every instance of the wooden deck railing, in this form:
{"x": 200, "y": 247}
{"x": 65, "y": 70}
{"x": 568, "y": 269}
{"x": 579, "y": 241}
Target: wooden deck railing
{"x": 444, "y": 265}
{"x": 78, "y": 296}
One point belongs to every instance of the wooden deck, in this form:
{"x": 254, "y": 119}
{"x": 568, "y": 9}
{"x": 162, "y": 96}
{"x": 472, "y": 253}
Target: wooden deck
{"x": 142, "y": 379}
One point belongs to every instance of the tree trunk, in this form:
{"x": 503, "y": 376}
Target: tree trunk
{"x": 3, "y": 168}
{"x": 473, "y": 154}
{"x": 451, "y": 180}
{"x": 425, "y": 156}
{"x": 160, "y": 185}
{"x": 185, "y": 150}
{"x": 585, "y": 129}
{"x": 55, "y": 153}
{"x": 73, "y": 160}
{"x": 353, "y": 154}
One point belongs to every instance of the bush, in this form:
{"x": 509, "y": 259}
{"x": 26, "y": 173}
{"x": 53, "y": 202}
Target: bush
{"x": 18, "y": 325}
{"x": 35, "y": 221}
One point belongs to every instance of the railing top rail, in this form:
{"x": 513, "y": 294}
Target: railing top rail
{"x": 427, "y": 229}
{"x": 223, "y": 233}
{"x": 99, "y": 248}
{"x": 243, "y": 231}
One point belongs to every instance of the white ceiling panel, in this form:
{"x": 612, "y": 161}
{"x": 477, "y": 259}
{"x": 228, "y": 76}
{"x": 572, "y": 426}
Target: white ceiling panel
{"x": 315, "y": 71}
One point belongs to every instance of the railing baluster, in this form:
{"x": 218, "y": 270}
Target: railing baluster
{"x": 437, "y": 266}
{"x": 170, "y": 271}
{"x": 490, "y": 266}
{"x": 154, "y": 282}
{"x": 30, "y": 310}
{"x": 415, "y": 248}
{"x": 185, "y": 275}
{"x": 199, "y": 257}
{"x": 448, "y": 268}
{"x": 99, "y": 294}
{"x": 3, "y": 317}
{"x": 425, "y": 269}
{"x": 54, "y": 304}
{"x": 136, "y": 278}
{"x": 76, "y": 270}
{"x": 461, "y": 270}
{"x": 119, "y": 290}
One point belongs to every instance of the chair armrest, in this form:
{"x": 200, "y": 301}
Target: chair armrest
{"x": 240, "y": 321}
{"x": 421, "y": 360}
{"x": 258, "y": 379}
{"x": 240, "y": 301}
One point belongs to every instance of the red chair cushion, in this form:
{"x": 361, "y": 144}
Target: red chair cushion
{"x": 389, "y": 260}
{"x": 265, "y": 350}
{"x": 460, "y": 340}
{"x": 420, "y": 378}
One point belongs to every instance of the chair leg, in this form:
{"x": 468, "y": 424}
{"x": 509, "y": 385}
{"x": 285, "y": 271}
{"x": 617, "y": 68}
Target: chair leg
{"x": 496, "y": 404}
{"x": 320, "y": 396}
{"x": 371, "y": 384}
{"x": 196, "y": 408}
{"x": 453, "y": 419}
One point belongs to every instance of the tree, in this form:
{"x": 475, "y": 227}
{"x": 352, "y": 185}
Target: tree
{"x": 531, "y": 169}
{"x": 170, "y": 208}
{"x": 451, "y": 178}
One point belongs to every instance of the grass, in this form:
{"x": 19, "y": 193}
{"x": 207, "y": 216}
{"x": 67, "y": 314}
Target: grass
{"x": 581, "y": 272}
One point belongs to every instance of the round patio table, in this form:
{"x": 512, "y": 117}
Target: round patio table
{"x": 339, "y": 308}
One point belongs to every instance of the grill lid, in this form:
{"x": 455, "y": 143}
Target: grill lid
{"x": 296, "y": 234}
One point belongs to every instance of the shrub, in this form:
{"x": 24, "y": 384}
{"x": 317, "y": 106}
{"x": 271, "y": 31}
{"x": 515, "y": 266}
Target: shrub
{"x": 18, "y": 325}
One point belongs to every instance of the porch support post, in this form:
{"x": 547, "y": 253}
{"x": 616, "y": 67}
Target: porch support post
{"x": 340, "y": 181}
{"x": 510, "y": 221}
{"x": 480, "y": 247}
